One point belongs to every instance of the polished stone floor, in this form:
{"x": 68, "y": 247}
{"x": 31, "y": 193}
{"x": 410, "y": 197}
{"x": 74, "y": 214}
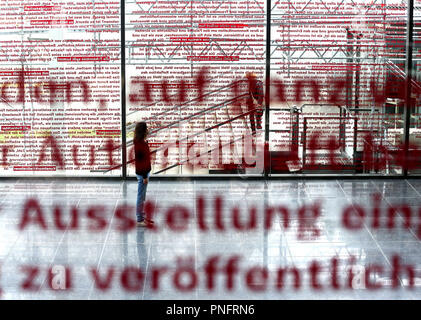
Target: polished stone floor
{"x": 353, "y": 251}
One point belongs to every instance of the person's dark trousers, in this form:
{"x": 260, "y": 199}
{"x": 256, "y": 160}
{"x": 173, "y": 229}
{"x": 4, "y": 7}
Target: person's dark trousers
{"x": 259, "y": 114}
{"x": 252, "y": 123}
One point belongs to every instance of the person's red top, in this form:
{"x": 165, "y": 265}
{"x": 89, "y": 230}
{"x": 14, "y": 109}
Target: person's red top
{"x": 142, "y": 158}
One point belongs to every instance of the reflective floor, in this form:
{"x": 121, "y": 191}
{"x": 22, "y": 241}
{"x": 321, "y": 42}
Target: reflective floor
{"x": 328, "y": 239}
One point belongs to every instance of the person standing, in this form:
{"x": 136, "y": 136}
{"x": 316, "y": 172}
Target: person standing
{"x": 255, "y": 101}
{"x": 143, "y": 169}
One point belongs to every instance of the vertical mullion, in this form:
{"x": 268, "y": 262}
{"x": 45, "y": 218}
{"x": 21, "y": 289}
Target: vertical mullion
{"x": 408, "y": 87}
{"x": 267, "y": 90}
{"x": 123, "y": 88}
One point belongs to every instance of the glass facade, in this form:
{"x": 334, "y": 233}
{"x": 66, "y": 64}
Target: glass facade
{"x": 60, "y": 87}
{"x": 249, "y": 88}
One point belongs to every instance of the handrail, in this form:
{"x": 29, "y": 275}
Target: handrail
{"x": 173, "y": 95}
{"x": 131, "y": 126}
{"x": 324, "y": 104}
{"x": 185, "y": 138}
{"x": 398, "y": 71}
{"x": 183, "y": 104}
{"x": 186, "y": 160}
{"x": 129, "y": 143}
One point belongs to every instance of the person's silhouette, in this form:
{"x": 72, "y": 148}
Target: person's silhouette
{"x": 255, "y": 101}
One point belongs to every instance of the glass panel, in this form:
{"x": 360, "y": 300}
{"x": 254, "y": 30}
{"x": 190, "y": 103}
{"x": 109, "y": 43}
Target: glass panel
{"x": 337, "y": 85}
{"x": 331, "y": 64}
{"x": 201, "y": 129}
{"x": 414, "y": 155}
{"x": 60, "y": 88}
